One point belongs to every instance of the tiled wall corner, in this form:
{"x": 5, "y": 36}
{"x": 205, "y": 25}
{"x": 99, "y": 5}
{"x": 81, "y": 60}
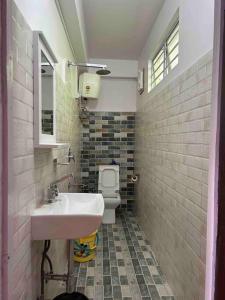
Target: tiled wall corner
{"x": 171, "y": 154}
{"x": 33, "y": 169}
{"x": 107, "y": 136}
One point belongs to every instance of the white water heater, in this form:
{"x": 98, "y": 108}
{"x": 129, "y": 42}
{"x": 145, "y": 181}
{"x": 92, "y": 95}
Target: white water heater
{"x": 89, "y": 85}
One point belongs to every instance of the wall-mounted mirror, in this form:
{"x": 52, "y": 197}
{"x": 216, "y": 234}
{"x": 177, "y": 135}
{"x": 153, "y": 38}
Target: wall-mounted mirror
{"x": 44, "y": 93}
{"x": 47, "y": 95}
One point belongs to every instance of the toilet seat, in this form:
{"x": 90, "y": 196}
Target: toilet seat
{"x": 112, "y": 202}
{"x": 108, "y": 180}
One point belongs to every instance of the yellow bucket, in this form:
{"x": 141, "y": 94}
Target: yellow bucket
{"x": 85, "y": 248}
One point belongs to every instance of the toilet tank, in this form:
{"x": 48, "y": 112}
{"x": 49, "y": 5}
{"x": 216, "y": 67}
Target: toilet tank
{"x": 108, "y": 180}
{"x": 89, "y": 85}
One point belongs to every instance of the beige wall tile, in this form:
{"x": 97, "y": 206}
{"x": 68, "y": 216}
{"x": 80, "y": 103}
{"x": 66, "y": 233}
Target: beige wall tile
{"x": 33, "y": 169}
{"x": 172, "y": 149}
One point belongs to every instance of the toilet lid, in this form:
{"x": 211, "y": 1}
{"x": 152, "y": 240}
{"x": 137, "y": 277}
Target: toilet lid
{"x": 108, "y": 181}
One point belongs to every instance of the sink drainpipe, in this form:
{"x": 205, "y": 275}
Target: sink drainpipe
{"x": 4, "y": 157}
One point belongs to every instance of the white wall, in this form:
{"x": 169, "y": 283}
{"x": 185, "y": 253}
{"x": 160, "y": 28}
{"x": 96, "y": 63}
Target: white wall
{"x": 115, "y": 95}
{"x": 71, "y": 12}
{"x": 119, "y": 89}
{"x": 43, "y": 15}
{"x": 80, "y": 13}
{"x": 196, "y": 32}
{"x": 119, "y": 67}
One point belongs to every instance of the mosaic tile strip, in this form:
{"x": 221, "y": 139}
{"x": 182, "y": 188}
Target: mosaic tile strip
{"x": 107, "y": 136}
{"x": 125, "y": 267}
{"x": 47, "y": 122}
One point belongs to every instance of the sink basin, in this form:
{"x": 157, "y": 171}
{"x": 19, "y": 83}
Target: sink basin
{"x": 72, "y": 216}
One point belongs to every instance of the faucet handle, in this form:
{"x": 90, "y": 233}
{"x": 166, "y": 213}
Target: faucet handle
{"x": 53, "y": 190}
{"x": 51, "y": 194}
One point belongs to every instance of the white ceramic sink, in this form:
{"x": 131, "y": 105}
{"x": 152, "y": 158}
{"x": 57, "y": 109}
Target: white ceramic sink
{"x": 72, "y": 216}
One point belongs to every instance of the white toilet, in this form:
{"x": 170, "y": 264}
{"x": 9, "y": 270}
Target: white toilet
{"x": 108, "y": 185}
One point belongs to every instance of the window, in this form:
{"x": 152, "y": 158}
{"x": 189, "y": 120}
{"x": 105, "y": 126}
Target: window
{"x": 166, "y": 58}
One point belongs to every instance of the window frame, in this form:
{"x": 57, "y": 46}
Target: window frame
{"x": 165, "y": 63}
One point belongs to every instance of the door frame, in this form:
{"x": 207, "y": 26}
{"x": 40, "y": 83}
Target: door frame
{"x": 4, "y": 59}
{"x": 220, "y": 241}
{"x": 215, "y": 261}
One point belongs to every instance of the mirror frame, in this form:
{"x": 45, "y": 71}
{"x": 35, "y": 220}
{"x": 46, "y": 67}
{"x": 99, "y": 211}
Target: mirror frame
{"x": 41, "y": 45}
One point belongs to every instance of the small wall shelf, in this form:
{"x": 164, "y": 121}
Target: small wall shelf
{"x": 52, "y": 145}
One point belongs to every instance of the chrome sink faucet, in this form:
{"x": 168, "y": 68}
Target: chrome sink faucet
{"x": 53, "y": 192}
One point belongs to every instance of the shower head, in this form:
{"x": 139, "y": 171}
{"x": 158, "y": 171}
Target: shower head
{"x": 102, "y": 69}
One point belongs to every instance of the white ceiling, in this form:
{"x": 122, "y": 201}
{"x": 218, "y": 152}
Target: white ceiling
{"x": 118, "y": 29}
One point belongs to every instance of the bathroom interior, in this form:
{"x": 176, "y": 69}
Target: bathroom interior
{"x": 109, "y": 120}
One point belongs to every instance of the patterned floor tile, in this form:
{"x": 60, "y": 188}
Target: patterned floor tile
{"x": 125, "y": 267}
